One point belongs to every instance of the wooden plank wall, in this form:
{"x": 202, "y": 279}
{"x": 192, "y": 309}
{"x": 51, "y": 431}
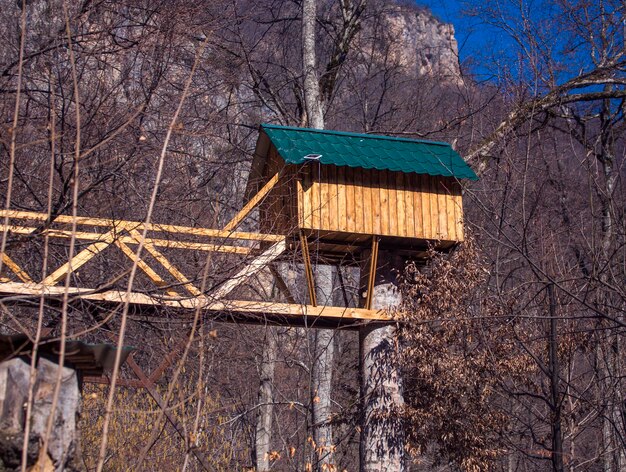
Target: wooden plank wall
{"x": 278, "y": 212}
{"x": 386, "y": 203}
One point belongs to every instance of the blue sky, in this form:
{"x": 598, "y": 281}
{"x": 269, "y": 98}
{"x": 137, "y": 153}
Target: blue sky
{"x": 564, "y": 51}
{"x": 479, "y": 44}
{"x": 559, "y": 35}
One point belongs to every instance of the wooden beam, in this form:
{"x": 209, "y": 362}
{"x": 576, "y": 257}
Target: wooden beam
{"x": 308, "y": 269}
{"x": 254, "y": 201}
{"x": 152, "y": 275}
{"x": 282, "y": 285}
{"x": 16, "y": 269}
{"x": 270, "y": 255}
{"x": 165, "y": 243}
{"x": 15, "y": 290}
{"x": 81, "y": 258}
{"x": 180, "y": 429}
{"x": 81, "y": 220}
{"x": 371, "y": 277}
{"x": 167, "y": 264}
{"x": 169, "y": 359}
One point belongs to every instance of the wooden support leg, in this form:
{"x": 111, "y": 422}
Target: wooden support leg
{"x": 308, "y": 269}
{"x": 282, "y": 286}
{"x": 372, "y": 273}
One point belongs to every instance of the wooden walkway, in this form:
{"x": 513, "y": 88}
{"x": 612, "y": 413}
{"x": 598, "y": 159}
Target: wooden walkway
{"x": 171, "y": 288}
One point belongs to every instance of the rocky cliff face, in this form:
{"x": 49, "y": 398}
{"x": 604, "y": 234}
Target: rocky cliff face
{"x": 422, "y": 44}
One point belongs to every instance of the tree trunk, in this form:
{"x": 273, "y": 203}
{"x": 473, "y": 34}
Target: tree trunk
{"x": 266, "y": 398}
{"x": 311, "y": 83}
{"x": 63, "y": 444}
{"x": 614, "y": 427}
{"x": 557, "y": 435}
{"x": 382, "y": 436}
{"x": 322, "y": 374}
{"x": 323, "y": 348}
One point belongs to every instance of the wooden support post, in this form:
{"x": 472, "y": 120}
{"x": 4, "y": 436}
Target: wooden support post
{"x": 382, "y": 438}
{"x": 308, "y": 269}
{"x": 372, "y": 272}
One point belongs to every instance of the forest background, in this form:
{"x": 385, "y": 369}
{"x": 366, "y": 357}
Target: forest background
{"x": 512, "y": 346}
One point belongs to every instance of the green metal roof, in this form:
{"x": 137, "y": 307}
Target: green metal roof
{"x": 368, "y": 151}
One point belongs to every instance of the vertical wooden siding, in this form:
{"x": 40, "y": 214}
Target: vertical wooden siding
{"x": 379, "y": 202}
{"x": 361, "y": 201}
{"x": 278, "y": 213}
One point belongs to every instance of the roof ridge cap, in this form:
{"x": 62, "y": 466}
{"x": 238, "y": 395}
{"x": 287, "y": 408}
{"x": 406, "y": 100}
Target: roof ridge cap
{"x": 355, "y": 135}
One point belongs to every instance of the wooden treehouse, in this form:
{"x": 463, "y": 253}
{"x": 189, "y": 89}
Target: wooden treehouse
{"x": 347, "y": 194}
{"x": 344, "y": 190}
{"x": 339, "y": 194}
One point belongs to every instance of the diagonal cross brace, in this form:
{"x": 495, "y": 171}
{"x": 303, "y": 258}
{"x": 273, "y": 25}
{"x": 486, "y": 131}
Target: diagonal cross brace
{"x": 81, "y": 258}
{"x": 254, "y": 201}
{"x": 154, "y": 252}
{"x": 270, "y": 255}
{"x": 16, "y": 269}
